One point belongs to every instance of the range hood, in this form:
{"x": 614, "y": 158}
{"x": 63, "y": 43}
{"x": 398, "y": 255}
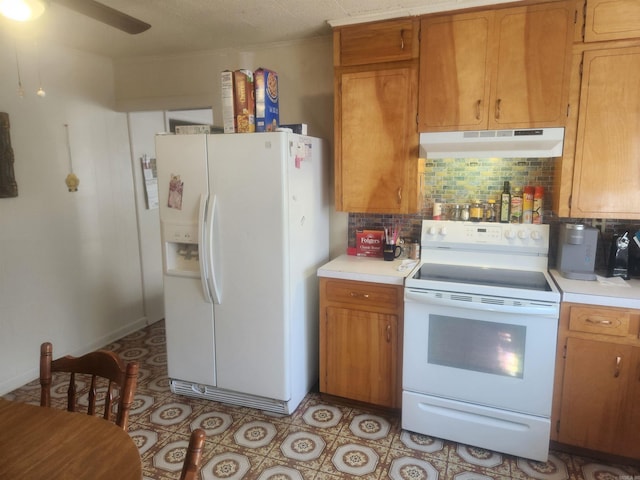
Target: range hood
{"x": 524, "y": 143}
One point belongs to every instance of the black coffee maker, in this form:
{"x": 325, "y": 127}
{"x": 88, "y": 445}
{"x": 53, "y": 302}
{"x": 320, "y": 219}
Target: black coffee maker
{"x": 618, "y": 265}
{"x": 634, "y": 255}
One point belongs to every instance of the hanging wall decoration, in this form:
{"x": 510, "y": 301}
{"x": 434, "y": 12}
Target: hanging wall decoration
{"x": 72, "y": 181}
{"x": 8, "y": 185}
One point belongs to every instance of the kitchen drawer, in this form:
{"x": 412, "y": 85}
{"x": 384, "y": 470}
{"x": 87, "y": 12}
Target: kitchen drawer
{"x": 362, "y": 293}
{"x": 388, "y": 41}
{"x": 605, "y": 321}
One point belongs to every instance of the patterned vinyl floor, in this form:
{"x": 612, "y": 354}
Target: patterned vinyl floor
{"x": 320, "y": 440}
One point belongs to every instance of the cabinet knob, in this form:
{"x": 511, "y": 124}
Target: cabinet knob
{"x": 388, "y": 333}
{"x": 402, "y": 39}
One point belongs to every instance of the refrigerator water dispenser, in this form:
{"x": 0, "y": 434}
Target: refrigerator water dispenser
{"x": 181, "y": 256}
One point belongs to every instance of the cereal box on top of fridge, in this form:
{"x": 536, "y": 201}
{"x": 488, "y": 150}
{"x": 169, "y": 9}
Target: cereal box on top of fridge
{"x": 245, "y": 104}
{"x": 267, "y": 107}
{"x": 228, "y": 103}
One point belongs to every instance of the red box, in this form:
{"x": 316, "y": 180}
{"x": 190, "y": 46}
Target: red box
{"x": 369, "y": 243}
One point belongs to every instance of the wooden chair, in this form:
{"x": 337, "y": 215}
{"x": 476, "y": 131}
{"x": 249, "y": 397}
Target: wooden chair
{"x": 99, "y": 364}
{"x": 191, "y": 465}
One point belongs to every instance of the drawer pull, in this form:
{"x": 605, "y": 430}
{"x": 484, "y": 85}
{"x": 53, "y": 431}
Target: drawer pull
{"x": 618, "y": 364}
{"x": 388, "y": 333}
{"x": 599, "y": 321}
{"x": 497, "y": 109}
{"x": 478, "y": 103}
{"x": 401, "y": 39}
{"x": 358, "y": 294}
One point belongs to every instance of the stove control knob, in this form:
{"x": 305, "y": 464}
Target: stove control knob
{"x": 522, "y": 234}
{"x": 432, "y": 231}
{"x": 509, "y": 234}
{"x": 443, "y": 231}
{"x": 535, "y": 235}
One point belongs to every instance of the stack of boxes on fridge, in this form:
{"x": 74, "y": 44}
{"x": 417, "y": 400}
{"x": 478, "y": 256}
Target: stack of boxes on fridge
{"x": 250, "y": 101}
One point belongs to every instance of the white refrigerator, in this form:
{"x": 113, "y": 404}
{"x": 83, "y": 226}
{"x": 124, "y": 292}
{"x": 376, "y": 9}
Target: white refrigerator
{"x": 245, "y": 225}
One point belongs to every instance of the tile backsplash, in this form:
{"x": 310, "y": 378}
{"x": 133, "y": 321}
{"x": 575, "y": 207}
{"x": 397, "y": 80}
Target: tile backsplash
{"x": 463, "y": 180}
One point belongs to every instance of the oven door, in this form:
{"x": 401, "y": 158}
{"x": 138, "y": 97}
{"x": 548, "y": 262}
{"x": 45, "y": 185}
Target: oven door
{"x": 487, "y": 351}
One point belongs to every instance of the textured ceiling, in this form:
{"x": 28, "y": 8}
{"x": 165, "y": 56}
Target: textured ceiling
{"x": 179, "y": 26}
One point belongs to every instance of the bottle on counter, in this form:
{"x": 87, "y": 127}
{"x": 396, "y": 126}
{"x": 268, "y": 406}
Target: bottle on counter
{"x": 516, "y": 205}
{"x": 538, "y": 201}
{"x": 505, "y": 203}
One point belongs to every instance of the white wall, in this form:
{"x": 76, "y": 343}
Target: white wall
{"x": 305, "y": 75}
{"x": 69, "y": 262}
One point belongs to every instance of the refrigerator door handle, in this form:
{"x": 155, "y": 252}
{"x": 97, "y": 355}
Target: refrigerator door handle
{"x": 202, "y": 240}
{"x": 211, "y": 227}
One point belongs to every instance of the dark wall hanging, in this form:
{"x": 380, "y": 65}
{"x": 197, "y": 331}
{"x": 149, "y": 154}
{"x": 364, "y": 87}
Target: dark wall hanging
{"x": 8, "y": 185}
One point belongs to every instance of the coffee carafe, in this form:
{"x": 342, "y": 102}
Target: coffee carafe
{"x": 577, "y": 246}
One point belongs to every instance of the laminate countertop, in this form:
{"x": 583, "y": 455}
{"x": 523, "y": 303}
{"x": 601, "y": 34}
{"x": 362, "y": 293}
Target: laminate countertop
{"x": 367, "y": 269}
{"x": 610, "y": 292}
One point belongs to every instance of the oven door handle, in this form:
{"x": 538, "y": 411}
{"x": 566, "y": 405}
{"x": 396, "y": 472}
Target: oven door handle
{"x": 542, "y": 310}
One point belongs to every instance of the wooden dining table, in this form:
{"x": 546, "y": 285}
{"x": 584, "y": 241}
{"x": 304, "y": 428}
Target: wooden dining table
{"x": 48, "y": 443}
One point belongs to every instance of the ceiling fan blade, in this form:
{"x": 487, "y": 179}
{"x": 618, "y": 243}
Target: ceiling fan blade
{"x": 104, "y": 14}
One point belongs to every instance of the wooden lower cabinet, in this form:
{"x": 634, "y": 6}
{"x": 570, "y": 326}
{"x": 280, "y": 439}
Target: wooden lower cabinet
{"x": 597, "y": 397}
{"x": 361, "y": 341}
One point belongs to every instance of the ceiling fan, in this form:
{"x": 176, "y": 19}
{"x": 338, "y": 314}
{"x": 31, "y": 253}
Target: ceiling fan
{"x": 30, "y": 9}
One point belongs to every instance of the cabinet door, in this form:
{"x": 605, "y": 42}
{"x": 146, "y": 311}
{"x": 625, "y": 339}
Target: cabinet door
{"x": 388, "y": 41}
{"x": 593, "y": 393}
{"x": 628, "y": 444}
{"x": 376, "y": 141}
{"x": 455, "y": 71}
{"x": 360, "y": 355}
{"x": 531, "y": 82}
{"x": 606, "y": 182}
{"x": 611, "y": 20}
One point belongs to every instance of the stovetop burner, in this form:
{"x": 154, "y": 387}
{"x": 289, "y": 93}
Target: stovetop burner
{"x": 498, "y": 277}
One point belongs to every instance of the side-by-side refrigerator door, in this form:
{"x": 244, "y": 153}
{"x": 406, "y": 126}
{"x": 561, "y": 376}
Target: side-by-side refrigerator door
{"x": 249, "y": 250}
{"x": 181, "y": 162}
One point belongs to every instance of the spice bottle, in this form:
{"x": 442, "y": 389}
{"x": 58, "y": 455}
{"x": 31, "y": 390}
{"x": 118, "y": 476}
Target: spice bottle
{"x": 538, "y": 200}
{"x": 455, "y": 213}
{"x": 505, "y": 203}
{"x": 490, "y": 212}
{"x": 527, "y": 204}
{"x": 516, "y": 205}
{"x": 476, "y": 212}
{"x": 464, "y": 212}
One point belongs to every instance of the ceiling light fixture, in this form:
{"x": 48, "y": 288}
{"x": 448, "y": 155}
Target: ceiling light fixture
{"x": 22, "y": 10}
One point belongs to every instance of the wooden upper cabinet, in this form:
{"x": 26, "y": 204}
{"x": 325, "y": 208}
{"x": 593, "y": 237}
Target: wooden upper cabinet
{"x": 376, "y": 141}
{"x": 455, "y": 71}
{"x": 606, "y": 179}
{"x": 611, "y": 20}
{"x": 505, "y": 68}
{"x": 388, "y": 41}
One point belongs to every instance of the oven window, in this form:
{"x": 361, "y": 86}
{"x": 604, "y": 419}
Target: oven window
{"x": 477, "y": 345}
